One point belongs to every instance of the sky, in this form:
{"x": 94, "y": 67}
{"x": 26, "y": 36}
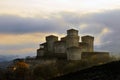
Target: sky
{"x": 25, "y": 23}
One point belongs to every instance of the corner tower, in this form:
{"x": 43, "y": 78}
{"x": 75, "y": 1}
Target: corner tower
{"x": 90, "y": 41}
{"x": 72, "y": 38}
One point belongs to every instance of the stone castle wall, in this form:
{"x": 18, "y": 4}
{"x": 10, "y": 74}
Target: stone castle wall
{"x": 102, "y": 56}
{"x": 70, "y": 46}
{"x": 73, "y": 53}
{"x": 60, "y": 47}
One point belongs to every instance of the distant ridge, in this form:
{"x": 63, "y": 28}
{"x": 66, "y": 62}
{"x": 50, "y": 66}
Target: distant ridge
{"x": 7, "y": 57}
{"x": 109, "y": 71}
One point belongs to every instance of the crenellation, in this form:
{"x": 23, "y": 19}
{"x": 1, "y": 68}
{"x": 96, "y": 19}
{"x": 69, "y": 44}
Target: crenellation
{"x": 68, "y": 47}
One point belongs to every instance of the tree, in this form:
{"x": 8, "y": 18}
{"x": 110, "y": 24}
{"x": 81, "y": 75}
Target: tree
{"x": 45, "y": 71}
{"x": 21, "y": 70}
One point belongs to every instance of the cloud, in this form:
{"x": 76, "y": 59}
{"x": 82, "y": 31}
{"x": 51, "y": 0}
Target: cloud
{"x": 23, "y": 51}
{"x": 32, "y": 7}
{"x": 22, "y": 38}
{"x": 111, "y": 20}
{"x": 29, "y": 32}
{"x": 15, "y": 24}
{"x": 22, "y": 43}
{"x": 104, "y": 26}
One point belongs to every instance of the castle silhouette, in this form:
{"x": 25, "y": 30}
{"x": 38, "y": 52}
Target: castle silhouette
{"x": 69, "y": 47}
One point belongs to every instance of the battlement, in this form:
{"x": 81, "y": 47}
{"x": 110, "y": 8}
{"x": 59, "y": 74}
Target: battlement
{"x": 87, "y": 37}
{"x": 72, "y": 32}
{"x": 51, "y": 37}
{"x": 68, "y": 45}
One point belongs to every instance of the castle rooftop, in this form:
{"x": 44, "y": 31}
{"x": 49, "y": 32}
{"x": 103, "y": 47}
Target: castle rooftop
{"x": 88, "y": 36}
{"x": 51, "y": 36}
{"x": 72, "y": 30}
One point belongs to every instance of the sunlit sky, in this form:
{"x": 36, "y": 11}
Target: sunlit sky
{"x": 25, "y": 23}
{"x": 37, "y": 7}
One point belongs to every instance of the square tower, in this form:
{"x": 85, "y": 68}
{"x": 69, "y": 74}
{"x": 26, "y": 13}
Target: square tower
{"x": 90, "y": 41}
{"x": 72, "y": 38}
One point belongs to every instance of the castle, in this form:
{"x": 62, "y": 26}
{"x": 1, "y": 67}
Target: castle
{"x": 69, "y": 47}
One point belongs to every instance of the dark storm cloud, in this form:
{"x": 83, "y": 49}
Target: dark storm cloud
{"x": 91, "y": 21}
{"x": 110, "y": 19}
{"x": 14, "y": 24}
{"x": 95, "y": 23}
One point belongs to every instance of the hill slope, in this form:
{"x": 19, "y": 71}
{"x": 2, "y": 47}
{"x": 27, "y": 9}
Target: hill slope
{"x": 109, "y": 71}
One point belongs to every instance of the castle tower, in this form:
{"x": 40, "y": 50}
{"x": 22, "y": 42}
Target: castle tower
{"x": 90, "y": 41}
{"x": 74, "y": 53}
{"x": 50, "y": 40}
{"x": 72, "y": 38}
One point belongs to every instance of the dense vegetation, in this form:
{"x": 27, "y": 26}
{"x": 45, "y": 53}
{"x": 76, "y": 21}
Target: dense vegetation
{"x": 22, "y": 71}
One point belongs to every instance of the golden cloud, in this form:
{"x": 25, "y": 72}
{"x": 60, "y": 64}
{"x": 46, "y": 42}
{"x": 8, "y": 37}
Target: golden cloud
{"x": 22, "y": 51}
{"x": 17, "y": 39}
{"x": 104, "y": 32}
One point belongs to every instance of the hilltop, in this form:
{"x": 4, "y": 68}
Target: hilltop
{"x": 109, "y": 71}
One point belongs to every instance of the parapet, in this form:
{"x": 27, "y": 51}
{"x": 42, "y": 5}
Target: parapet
{"x": 51, "y": 37}
{"x": 74, "y": 53}
{"x": 93, "y": 55}
{"x": 87, "y": 37}
{"x": 72, "y": 32}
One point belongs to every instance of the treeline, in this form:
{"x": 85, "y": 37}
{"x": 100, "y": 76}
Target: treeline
{"x": 22, "y": 71}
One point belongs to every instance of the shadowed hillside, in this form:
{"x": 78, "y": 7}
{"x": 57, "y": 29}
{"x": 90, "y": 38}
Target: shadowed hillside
{"x": 109, "y": 71}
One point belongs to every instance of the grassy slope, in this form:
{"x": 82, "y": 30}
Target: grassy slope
{"x": 109, "y": 71}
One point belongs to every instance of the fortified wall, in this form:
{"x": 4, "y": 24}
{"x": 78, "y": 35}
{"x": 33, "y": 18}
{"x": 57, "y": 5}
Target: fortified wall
{"x": 69, "y": 47}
